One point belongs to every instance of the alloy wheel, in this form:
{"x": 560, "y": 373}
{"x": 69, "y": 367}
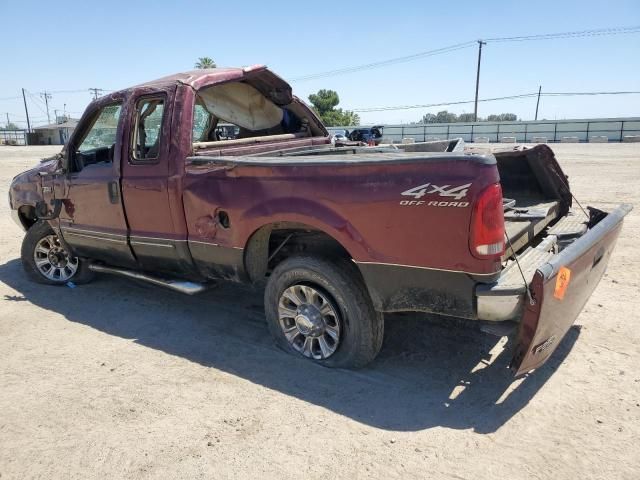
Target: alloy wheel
{"x": 309, "y": 321}
{"x": 52, "y": 260}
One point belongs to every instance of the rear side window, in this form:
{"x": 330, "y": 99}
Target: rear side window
{"x": 201, "y": 123}
{"x": 148, "y": 130}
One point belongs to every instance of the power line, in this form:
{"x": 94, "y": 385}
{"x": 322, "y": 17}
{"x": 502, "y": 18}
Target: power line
{"x": 47, "y": 96}
{"x": 581, "y": 33}
{"x": 573, "y": 94}
{"x": 55, "y": 92}
{"x": 26, "y": 111}
{"x": 537, "y": 102}
{"x": 21, "y": 117}
{"x": 547, "y": 36}
{"x": 459, "y": 46}
{"x": 390, "y": 61}
{"x": 14, "y": 115}
{"x": 475, "y": 107}
{"x": 96, "y": 92}
{"x": 83, "y": 90}
{"x": 443, "y": 104}
{"x": 35, "y": 101}
{"x": 494, "y": 99}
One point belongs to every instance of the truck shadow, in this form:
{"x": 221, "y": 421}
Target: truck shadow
{"x": 430, "y": 372}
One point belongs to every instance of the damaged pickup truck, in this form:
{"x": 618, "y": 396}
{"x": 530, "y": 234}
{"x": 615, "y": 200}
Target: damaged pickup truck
{"x": 224, "y": 174}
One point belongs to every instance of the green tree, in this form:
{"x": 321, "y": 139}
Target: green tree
{"x": 11, "y": 126}
{"x": 429, "y": 118}
{"x": 503, "y": 117}
{"x": 446, "y": 117}
{"x": 350, "y": 118}
{"x": 467, "y": 117}
{"x": 325, "y": 102}
{"x": 205, "y": 62}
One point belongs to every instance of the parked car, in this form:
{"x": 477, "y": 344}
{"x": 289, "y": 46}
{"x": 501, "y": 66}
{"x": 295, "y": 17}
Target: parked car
{"x": 339, "y": 136}
{"x": 339, "y": 235}
{"x": 366, "y": 134}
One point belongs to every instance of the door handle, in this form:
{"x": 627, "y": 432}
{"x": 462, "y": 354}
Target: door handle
{"x": 114, "y": 192}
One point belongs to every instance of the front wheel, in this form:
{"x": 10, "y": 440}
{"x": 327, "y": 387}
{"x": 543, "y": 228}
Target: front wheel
{"x": 322, "y": 310}
{"x": 45, "y": 260}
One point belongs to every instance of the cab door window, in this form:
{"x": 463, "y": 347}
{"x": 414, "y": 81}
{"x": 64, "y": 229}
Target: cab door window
{"x": 147, "y": 134}
{"x": 98, "y": 143}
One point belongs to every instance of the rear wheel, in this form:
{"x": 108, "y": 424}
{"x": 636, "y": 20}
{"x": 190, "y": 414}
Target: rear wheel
{"x": 45, "y": 260}
{"x": 321, "y": 310}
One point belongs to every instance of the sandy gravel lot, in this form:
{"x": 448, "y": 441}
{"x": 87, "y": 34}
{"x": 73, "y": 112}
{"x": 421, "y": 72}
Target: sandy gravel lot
{"x": 120, "y": 380}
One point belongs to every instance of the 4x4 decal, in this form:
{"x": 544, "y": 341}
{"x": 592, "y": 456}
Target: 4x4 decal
{"x": 456, "y": 192}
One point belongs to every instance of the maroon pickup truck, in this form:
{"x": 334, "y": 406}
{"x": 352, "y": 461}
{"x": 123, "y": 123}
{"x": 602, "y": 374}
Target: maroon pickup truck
{"x": 224, "y": 174}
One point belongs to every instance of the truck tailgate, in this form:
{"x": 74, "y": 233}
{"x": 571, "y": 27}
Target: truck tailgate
{"x": 560, "y": 288}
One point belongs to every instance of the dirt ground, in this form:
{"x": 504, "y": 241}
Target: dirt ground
{"x": 121, "y": 380}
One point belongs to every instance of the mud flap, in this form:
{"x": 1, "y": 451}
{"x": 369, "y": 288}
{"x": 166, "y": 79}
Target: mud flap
{"x": 560, "y": 288}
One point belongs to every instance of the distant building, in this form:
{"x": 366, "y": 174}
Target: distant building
{"x": 55, "y": 133}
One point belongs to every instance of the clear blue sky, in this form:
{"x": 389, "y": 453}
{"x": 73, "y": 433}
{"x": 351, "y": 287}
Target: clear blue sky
{"x": 69, "y": 45}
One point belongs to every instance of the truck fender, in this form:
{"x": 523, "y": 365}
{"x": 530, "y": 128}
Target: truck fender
{"x": 310, "y": 213}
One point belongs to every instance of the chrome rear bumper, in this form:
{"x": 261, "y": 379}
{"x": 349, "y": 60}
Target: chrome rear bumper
{"x": 504, "y": 299}
{"x": 500, "y": 307}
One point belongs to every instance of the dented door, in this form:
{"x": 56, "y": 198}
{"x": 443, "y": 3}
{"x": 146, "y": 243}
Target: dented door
{"x": 560, "y": 288}
{"x": 92, "y": 219}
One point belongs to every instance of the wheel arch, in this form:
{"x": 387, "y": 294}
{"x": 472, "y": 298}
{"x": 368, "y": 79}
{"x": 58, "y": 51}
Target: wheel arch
{"x": 261, "y": 255}
{"x": 259, "y": 247}
{"x": 27, "y": 216}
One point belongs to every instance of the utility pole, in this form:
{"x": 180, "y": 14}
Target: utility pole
{"x": 26, "y": 111}
{"x": 95, "y": 92}
{"x": 538, "y": 102}
{"x": 55, "y": 115}
{"x": 475, "y": 109}
{"x": 47, "y": 97}
{"x": 8, "y": 121}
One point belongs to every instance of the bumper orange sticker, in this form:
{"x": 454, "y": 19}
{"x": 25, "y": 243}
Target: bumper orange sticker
{"x": 562, "y": 282}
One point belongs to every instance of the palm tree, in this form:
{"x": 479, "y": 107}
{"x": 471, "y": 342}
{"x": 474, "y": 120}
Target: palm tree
{"x": 205, "y": 62}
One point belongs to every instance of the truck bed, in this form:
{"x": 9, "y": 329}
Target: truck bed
{"x": 526, "y": 221}
{"x": 527, "y": 176}
{"x": 538, "y": 192}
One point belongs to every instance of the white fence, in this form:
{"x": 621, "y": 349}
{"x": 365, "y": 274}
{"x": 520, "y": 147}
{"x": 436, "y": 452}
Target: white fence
{"x": 615, "y": 129}
{"x": 13, "y": 137}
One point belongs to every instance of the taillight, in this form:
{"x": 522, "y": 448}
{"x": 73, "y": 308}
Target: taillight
{"x": 487, "y": 224}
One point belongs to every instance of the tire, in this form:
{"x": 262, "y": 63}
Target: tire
{"x": 344, "y": 296}
{"x": 41, "y": 231}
